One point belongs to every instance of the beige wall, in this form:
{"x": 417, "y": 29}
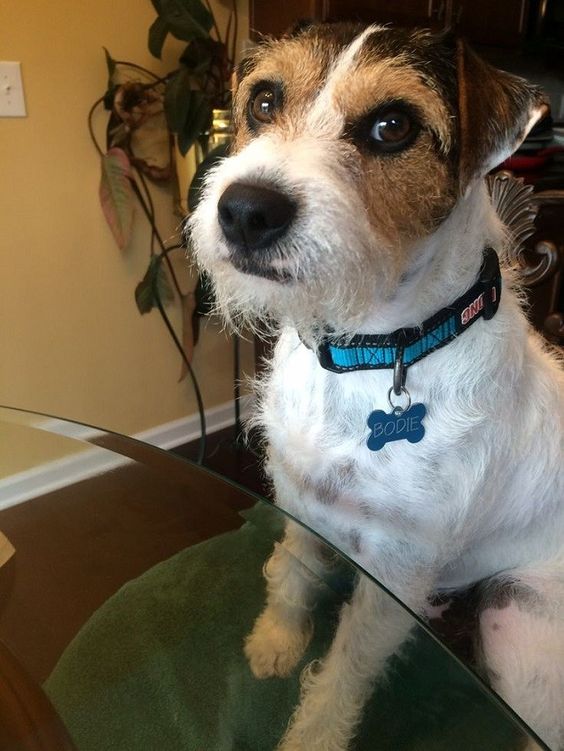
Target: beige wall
{"x": 71, "y": 340}
{"x": 23, "y": 448}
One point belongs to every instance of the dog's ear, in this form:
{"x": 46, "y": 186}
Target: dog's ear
{"x": 496, "y": 112}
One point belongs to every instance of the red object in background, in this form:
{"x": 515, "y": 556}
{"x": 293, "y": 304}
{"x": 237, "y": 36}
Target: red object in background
{"x": 526, "y": 163}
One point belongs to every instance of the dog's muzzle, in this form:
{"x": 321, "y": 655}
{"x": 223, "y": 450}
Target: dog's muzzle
{"x": 253, "y": 218}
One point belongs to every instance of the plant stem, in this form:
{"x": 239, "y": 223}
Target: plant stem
{"x": 197, "y": 392}
{"x": 149, "y": 213}
{"x": 215, "y": 26}
{"x": 161, "y": 79}
{"x": 127, "y": 64}
{"x": 91, "y": 127}
{"x": 233, "y": 52}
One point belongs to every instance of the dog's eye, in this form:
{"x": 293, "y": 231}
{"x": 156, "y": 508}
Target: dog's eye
{"x": 387, "y": 129}
{"x": 392, "y": 128}
{"x": 263, "y": 106}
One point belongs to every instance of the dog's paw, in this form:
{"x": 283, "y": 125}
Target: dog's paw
{"x": 274, "y": 648}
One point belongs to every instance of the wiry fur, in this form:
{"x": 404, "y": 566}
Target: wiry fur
{"x": 481, "y": 496}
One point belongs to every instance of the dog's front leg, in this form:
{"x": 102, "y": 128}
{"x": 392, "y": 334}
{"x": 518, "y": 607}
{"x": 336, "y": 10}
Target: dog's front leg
{"x": 283, "y": 630}
{"x": 371, "y": 628}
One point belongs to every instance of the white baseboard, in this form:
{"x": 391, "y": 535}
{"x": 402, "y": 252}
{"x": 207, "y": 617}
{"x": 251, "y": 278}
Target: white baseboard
{"x": 59, "y": 473}
{"x": 187, "y": 429}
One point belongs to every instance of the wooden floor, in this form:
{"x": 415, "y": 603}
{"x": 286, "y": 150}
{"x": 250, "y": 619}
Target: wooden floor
{"x": 235, "y": 458}
{"x": 77, "y": 546}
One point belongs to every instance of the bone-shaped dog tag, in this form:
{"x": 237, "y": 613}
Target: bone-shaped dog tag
{"x": 397, "y": 425}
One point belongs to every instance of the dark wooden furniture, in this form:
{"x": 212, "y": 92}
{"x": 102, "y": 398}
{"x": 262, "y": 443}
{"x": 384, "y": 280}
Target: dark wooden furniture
{"x": 28, "y": 721}
{"x": 501, "y": 23}
{"x": 544, "y": 256}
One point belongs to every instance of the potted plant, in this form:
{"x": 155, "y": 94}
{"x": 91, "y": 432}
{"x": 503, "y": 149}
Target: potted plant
{"x": 154, "y": 120}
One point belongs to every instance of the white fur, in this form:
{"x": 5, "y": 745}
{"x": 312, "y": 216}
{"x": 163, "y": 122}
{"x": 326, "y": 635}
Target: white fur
{"x": 311, "y": 170}
{"x": 480, "y": 495}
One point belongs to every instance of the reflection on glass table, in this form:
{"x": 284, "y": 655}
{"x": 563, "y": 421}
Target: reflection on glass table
{"x": 136, "y": 578}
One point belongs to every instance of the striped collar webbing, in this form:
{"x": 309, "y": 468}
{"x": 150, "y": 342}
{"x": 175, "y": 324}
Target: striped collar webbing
{"x": 371, "y": 352}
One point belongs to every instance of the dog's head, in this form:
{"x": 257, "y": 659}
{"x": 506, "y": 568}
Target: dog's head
{"x": 352, "y": 144}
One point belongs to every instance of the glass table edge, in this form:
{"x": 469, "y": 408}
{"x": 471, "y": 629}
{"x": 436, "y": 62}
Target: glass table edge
{"x": 181, "y": 460}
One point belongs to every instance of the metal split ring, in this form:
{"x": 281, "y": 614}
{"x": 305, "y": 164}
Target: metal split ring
{"x": 399, "y": 373}
{"x": 396, "y": 408}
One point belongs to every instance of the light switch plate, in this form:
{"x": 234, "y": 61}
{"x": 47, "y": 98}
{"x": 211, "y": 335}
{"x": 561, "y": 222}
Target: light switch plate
{"x": 12, "y": 102}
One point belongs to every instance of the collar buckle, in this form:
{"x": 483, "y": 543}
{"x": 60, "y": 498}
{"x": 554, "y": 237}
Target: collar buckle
{"x": 490, "y": 279}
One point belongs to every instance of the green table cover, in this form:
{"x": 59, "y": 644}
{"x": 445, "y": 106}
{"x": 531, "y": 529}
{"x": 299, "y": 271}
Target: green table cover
{"x": 160, "y": 666}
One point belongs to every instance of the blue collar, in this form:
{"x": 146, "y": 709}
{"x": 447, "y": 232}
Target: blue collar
{"x": 406, "y": 346}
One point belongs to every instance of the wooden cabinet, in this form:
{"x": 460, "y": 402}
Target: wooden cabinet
{"x": 274, "y": 18}
{"x": 28, "y": 721}
{"x": 544, "y": 272}
{"x": 401, "y": 12}
{"x": 492, "y": 22}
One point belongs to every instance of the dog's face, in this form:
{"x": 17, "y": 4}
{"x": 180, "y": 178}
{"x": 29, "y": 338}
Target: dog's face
{"x": 351, "y": 146}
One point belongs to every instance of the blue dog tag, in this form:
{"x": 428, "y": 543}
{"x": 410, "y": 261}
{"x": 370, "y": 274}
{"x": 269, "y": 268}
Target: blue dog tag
{"x": 396, "y": 426}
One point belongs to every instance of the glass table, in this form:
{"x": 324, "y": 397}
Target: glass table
{"x": 135, "y": 579}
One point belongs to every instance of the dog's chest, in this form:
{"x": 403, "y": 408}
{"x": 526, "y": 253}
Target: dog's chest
{"x": 316, "y": 423}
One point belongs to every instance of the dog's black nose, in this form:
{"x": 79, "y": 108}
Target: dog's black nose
{"x": 254, "y": 216}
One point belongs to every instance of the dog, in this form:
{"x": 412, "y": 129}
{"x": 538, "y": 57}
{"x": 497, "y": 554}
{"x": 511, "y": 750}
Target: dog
{"x": 353, "y": 212}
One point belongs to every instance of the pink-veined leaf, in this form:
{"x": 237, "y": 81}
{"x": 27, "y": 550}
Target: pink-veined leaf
{"x": 116, "y": 194}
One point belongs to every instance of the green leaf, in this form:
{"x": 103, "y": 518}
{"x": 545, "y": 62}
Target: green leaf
{"x": 198, "y": 55}
{"x": 177, "y": 99}
{"x": 157, "y": 35}
{"x": 111, "y": 63}
{"x": 112, "y": 69}
{"x": 186, "y": 19}
{"x": 109, "y": 98}
{"x": 144, "y": 296}
{"x": 200, "y": 12}
{"x": 188, "y": 111}
{"x": 153, "y": 287}
{"x": 116, "y": 195}
{"x": 198, "y": 118}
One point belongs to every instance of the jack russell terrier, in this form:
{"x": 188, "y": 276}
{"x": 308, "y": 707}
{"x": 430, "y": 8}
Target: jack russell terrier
{"x": 414, "y": 419}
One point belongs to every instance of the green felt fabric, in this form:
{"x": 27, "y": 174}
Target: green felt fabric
{"x": 160, "y": 667}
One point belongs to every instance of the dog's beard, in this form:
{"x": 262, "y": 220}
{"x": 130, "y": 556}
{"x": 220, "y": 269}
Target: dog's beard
{"x": 329, "y": 270}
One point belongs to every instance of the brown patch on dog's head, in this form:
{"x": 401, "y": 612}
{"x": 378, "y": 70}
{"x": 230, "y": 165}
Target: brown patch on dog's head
{"x": 406, "y": 194}
{"x": 297, "y": 65}
{"x": 473, "y": 115}
{"x": 410, "y": 192}
{"x": 373, "y": 134}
